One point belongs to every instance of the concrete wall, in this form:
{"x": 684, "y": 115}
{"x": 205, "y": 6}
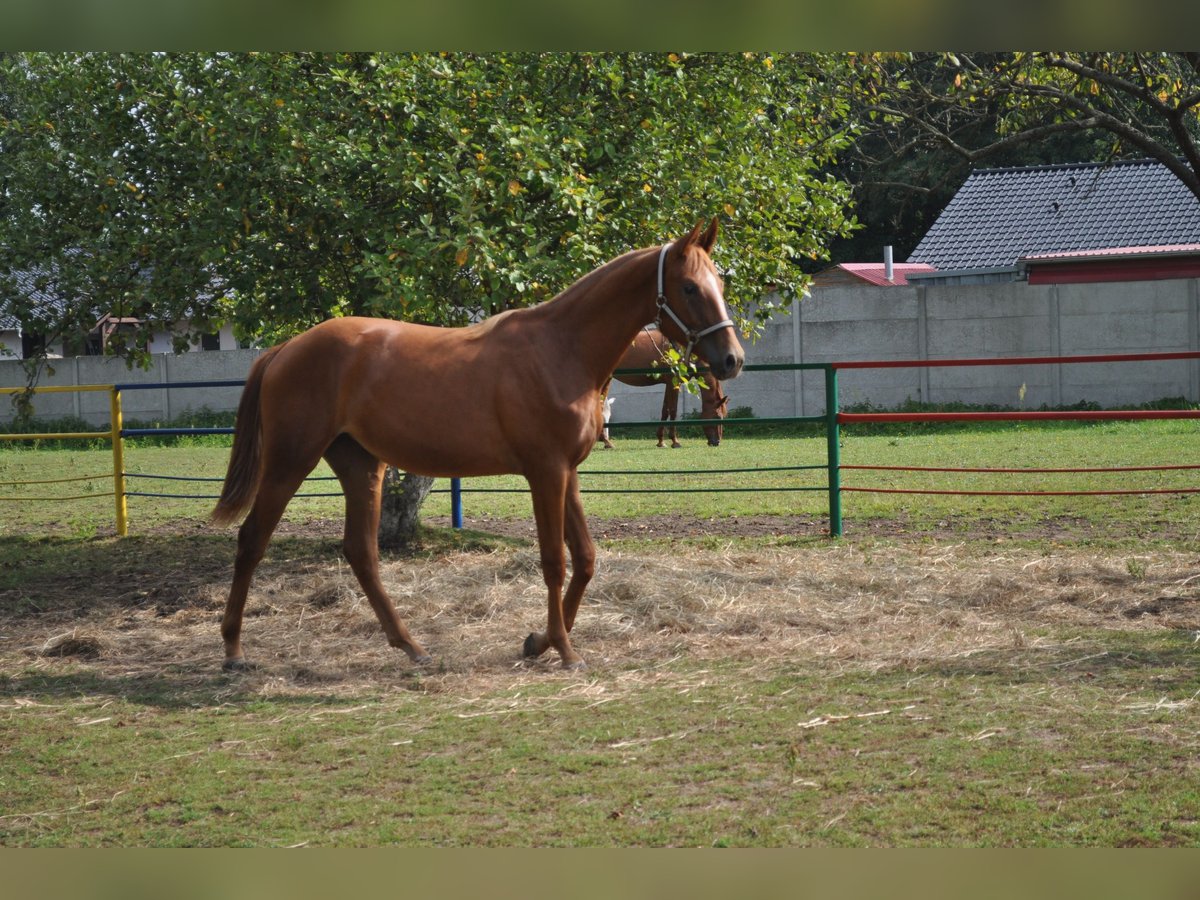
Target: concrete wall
{"x": 158, "y": 404}
{"x": 835, "y": 324}
{"x": 992, "y": 320}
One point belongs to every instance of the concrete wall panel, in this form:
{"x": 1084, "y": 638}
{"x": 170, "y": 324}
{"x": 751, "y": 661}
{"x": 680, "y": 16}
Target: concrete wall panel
{"x": 840, "y": 323}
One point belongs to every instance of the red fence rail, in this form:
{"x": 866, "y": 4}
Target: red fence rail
{"x": 842, "y": 418}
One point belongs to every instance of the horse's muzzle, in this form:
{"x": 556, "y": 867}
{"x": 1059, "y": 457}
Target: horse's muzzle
{"x": 723, "y": 353}
{"x": 727, "y": 366}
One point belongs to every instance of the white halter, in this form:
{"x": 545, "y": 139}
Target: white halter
{"x": 693, "y": 336}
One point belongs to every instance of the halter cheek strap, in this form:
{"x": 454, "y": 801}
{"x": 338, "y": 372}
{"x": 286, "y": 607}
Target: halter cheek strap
{"x": 693, "y": 336}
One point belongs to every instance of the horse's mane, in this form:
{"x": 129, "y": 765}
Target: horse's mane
{"x": 581, "y": 286}
{"x": 479, "y": 329}
{"x": 591, "y": 278}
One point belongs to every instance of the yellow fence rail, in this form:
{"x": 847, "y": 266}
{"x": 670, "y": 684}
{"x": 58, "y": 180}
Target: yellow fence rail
{"x": 113, "y": 435}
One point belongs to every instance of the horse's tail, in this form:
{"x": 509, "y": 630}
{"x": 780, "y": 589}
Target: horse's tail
{"x": 245, "y": 461}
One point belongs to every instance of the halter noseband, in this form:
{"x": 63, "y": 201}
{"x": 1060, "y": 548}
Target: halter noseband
{"x": 693, "y": 336}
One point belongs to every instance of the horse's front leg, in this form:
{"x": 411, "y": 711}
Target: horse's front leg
{"x": 549, "y": 491}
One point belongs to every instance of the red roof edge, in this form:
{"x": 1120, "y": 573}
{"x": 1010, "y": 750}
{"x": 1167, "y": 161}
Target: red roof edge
{"x": 874, "y": 272}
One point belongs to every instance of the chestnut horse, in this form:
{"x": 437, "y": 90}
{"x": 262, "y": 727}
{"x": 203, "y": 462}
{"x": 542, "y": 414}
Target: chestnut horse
{"x": 518, "y": 393}
{"x": 646, "y": 352}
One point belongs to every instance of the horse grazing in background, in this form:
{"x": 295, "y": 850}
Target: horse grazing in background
{"x": 519, "y": 393}
{"x": 606, "y": 415}
{"x": 646, "y": 352}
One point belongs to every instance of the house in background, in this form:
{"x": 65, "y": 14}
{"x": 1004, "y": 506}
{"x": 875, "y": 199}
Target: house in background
{"x": 1042, "y": 261}
{"x": 16, "y": 343}
{"x": 1090, "y": 222}
{"x": 1112, "y": 264}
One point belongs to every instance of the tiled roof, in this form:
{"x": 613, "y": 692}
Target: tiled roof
{"x": 40, "y": 299}
{"x": 874, "y": 272}
{"x": 1001, "y": 215}
{"x": 1116, "y": 253}
{"x": 38, "y": 294}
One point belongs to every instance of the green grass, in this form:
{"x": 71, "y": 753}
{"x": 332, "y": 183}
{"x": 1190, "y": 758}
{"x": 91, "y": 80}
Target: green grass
{"x": 1007, "y": 750}
{"x": 1010, "y": 446}
{"x": 1073, "y": 733}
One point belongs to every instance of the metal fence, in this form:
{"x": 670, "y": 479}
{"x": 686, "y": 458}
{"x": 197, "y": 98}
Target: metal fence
{"x": 833, "y": 419}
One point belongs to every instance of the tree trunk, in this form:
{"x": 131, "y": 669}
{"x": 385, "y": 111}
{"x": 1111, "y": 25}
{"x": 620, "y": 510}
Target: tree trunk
{"x": 399, "y": 520}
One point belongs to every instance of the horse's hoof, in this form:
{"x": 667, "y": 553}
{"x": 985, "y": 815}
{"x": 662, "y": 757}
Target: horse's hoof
{"x": 577, "y": 666}
{"x": 237, "y": 665}
{"x": 529, "y": 649}
{"x": 423, "y": 660}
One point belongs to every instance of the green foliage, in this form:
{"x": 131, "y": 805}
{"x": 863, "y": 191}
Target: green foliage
{"x": 191, "y": 418}
{"x": 197, "y": 418}
{"x": 61, "y": 425}
{"x": 926, "y": 118}
{"x": 277, "y": 190}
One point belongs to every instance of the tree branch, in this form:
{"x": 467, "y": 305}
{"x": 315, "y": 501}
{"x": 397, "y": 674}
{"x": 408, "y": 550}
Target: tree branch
{"x": 1189, "y": 173}
{"x": 1140, "y": 91}
{"x": 974, "y": 155}
{"x": 915, "y": 188}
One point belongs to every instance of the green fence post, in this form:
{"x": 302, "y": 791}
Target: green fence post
{"x": 833, "y": 454}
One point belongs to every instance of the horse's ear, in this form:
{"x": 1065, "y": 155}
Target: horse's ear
{"x": 692, "y": 236}
{"x": 709, "y": 239}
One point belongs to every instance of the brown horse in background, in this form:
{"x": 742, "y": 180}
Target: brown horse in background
{"x": 646, "y": 352}
{"x": 518, "y": 393}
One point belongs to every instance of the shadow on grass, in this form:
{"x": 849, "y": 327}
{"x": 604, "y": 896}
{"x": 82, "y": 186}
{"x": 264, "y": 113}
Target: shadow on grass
{"x": 61, "y": 575}
{"x": 55, "y": 584}
{"x": 1163, "y": 662}
{"x": 178, "y": 690}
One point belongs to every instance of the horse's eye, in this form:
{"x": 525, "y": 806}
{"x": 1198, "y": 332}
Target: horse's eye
{"x": 689, "y": 287}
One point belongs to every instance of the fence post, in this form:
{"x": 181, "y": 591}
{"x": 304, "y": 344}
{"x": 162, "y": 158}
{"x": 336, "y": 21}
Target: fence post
{"x": 833, "y": 454}
{"x": 456, "y": 512}
{"x": 118, "y": 450}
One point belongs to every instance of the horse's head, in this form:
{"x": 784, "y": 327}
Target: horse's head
{"x": 714, "y": 404}
{"x": 692, "y": 301}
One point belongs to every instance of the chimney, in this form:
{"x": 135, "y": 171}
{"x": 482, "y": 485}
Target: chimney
{"x": 887, "y": 262}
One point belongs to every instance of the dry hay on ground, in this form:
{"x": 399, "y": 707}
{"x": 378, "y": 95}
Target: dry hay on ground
{"x": 835, "y": 607}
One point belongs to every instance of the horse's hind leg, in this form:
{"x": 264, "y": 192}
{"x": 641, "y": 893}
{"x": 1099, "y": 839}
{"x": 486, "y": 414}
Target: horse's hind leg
{"x": 254, "y": 535}
{"x": 361, "y": 475}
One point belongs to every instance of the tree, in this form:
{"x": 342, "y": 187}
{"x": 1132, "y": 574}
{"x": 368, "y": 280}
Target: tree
{"x": 902, "y": 178}
{"x": 926, "y": 119}
{"x": 1022, "y": 108}
{"x": 277, "y": 190}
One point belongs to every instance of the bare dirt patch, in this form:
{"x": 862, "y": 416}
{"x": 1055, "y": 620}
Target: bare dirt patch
{"x": 847, "y": 605}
